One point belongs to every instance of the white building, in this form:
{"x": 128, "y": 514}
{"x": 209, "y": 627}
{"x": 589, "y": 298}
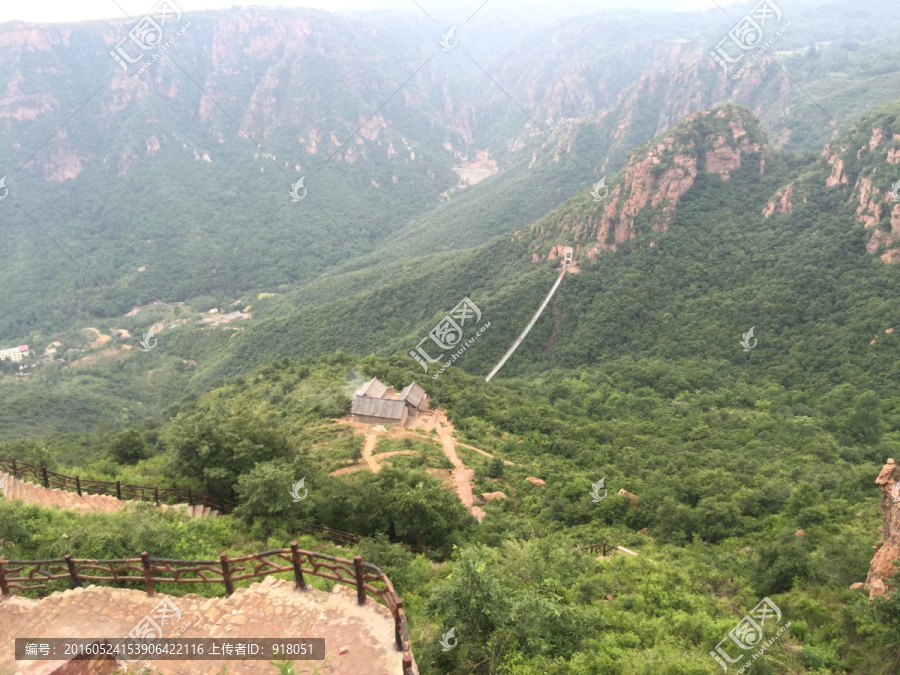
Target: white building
{"x": 14, "y": 354}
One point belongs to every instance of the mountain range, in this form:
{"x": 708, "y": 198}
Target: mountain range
{"x": 431, "y": 176}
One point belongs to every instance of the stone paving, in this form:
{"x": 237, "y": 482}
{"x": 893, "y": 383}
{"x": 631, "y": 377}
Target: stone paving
{"x": 29, "y": 493}
{"x": 359, "y": 640}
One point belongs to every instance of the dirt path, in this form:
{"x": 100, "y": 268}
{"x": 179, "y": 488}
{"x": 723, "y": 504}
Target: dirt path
{"x": 375, "y": 461}
{"x": 368, "y": 447}
{"x": 472, "y": 447}
{"x": 462, "y": 475}
{"x": 384, "y": 455}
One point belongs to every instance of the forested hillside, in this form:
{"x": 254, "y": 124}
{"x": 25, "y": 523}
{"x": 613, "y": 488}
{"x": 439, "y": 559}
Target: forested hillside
{"x": 204, "y": 263}
{"x": 744, "y": 489}
{"x": 682, "y": 277}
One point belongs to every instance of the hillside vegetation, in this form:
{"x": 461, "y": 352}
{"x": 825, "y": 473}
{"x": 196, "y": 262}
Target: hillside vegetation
{"x": 744, "y": 489}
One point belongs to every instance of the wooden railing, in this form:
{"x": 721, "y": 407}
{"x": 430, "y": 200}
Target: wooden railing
{"x": 595, "y": 548}
{"x": 368, "y": 579}
{"x": 117, "y": 489}
{"x": 602, "y": 548}
{"x": 352, "y": 539}
{"x": 158, "y": 495}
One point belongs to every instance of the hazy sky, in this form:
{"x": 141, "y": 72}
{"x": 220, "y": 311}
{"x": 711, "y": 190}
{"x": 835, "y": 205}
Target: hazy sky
{"x": 53, "y": 11}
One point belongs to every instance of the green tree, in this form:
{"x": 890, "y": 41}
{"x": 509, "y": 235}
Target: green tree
{"x": 474, "y": 602}
{"x": 781, "y": 564}
{"x": 864, "y": 424}
{"x": 128, "y": 447}
{"x": 496, "y": 468}
{"x": 264, "y": 494}
{"x": 214, "y": 445}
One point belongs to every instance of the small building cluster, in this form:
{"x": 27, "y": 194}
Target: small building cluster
{"x": 15, "y": 354}
{"x": 376, "y": 403}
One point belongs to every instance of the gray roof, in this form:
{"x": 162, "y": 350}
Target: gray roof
{"x": 378, "y": 407}
{"x": 374, "y": 388}
{"x": 413, "y": 394}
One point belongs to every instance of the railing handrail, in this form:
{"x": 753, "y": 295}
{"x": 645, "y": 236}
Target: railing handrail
{"x": 354, "y": 538}
{"x": 163, "y": 494}
{"x": 594, "y": 548}
{"x": 39, "y": 574}
{"x": 114, "y": 488}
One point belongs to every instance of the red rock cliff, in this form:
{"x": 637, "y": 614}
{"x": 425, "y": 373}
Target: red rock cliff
{"x": 883, "y": 566}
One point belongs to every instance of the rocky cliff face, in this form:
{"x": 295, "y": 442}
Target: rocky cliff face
{"x": 883, "y": 567}
{"x": 644, "y": 196}
{"x": 299, "y": 83}
{"x": 867, "y": 162}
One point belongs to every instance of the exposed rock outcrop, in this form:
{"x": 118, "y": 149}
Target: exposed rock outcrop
{"x": 883, "y": 567}
{"x": 645, "y": 195}
{"x": 781, "y": 202}
{"x": 864, "y": 161}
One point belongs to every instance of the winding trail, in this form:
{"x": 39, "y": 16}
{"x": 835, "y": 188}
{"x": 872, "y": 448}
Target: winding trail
{"x": 368, "y": 447}
{"x": 384, "y": 455}
{"x": 461, "y": 474}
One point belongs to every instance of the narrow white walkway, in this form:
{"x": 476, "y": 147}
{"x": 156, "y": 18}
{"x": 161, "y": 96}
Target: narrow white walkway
{"x": 531, "y": 323}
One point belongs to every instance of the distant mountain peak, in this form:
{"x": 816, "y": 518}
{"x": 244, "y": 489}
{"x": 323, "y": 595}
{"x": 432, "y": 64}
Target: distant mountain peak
{"x": 645, "y": 194}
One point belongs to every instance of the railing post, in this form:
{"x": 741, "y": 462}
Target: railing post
{"x": 190, "y": 497}
{"x": 148, "y": 573}
{"x": 78, "y": 484}
{"x": 4, "y": 587}
{"x": 407, "y": 663}
{"x": 226, "y": 575}
{"x": 76, "y": 582}
{"x": 604, "y": 548}
{"x": 298, "y": 571}
{"x": 222, "y": 505}
{"x": 360, "y": 588}
{"x": 398, "y": 633}
{"x": 44, "y": 474}
{"x": 156, "y": 495}
{"x": 14, "y": 470}
{"x": 118, "y": 490}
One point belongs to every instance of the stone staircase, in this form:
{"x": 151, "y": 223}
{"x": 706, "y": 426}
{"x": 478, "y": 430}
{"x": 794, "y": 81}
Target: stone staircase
{"x": 359, "y": 640}
{"x": 30, "y": 493}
